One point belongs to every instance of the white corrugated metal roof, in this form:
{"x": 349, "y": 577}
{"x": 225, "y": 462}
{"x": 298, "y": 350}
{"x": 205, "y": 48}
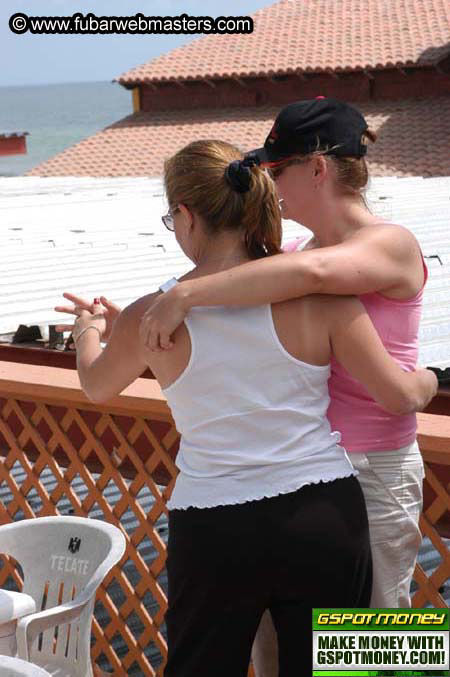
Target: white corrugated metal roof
{"x": 423, "y": 206}
{"x": 105, "y": 236}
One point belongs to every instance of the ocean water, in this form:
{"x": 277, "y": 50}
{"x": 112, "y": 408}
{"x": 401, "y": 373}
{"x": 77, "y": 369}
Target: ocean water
{"x": 56, "y": 117}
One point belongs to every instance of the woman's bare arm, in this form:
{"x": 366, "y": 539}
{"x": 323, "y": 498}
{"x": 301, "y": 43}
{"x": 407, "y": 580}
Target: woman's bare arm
{"x": 357, "y": 346}
{"x": 371, "y": 260}
{"x": 375, "y": 259}
{"x": 121, "y": 362}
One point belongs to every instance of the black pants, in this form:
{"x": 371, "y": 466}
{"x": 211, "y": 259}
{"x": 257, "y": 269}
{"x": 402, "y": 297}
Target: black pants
{"x": 290, "y": 553}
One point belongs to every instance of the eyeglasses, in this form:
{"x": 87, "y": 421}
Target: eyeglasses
{"x": 275, "y": 172}
{"x": 167, "y": 219}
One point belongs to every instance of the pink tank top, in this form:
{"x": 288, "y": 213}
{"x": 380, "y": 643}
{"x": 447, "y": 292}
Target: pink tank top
{"x": 363, "y": 424}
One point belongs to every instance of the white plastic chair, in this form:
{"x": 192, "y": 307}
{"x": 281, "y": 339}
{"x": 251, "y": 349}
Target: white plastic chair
{"x": 64, "y": 560}
{"x": 15, "y": 667}
{"x": 13, "y": 605}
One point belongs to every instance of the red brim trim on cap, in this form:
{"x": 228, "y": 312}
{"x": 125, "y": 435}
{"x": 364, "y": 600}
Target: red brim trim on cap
{"x": 268, "y": 165}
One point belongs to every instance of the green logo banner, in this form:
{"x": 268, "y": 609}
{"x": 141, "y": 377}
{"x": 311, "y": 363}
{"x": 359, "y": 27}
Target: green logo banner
{"x": 381, "y": 642}
{"x": 374, "y": 619}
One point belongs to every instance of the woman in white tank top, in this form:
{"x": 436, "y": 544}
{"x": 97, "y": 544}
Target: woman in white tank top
{"x": 266, "y": 512}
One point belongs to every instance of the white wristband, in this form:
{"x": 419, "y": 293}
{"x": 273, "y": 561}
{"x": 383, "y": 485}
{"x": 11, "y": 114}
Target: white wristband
{"x": 168, "y": 285}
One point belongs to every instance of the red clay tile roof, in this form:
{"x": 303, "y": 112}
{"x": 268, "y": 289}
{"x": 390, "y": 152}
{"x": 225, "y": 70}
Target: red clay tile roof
{"x": 413, "y": 139}
{"x": 313, "y": 36}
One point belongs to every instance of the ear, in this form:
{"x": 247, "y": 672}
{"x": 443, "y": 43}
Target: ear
{"x": 187, "y": 215}
{"x": 320, "y": 169}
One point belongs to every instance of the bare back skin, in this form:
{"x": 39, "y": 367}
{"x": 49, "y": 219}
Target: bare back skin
{"x": 296, "y": 324}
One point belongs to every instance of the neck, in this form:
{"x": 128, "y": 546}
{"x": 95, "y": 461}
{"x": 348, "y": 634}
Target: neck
{"x": 220, "y": 254}
{"x": 339, "y": 219}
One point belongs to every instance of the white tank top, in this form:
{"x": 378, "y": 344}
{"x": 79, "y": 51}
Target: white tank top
{"x": 252, "y": 418}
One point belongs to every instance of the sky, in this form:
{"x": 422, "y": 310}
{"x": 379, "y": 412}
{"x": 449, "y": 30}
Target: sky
{"x": 29, "y": 59}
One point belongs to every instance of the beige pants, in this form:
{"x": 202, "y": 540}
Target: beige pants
{"x": 392, "y": 485}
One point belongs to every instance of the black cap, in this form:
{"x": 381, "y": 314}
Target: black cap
{"x": 314, "y": 124}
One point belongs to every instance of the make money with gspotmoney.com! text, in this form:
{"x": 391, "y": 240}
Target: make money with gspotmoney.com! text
{"x": 138, "y": 23}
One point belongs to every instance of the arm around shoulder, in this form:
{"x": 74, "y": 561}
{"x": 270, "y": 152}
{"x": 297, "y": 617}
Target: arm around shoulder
{"x": 375, "y": 259}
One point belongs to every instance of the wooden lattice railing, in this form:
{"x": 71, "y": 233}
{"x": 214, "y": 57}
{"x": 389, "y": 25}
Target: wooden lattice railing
{"x": 434, "y": 441}
{"x": 61, "y": 453}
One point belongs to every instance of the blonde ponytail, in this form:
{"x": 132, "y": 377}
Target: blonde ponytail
{"x": 262, "y": 217}
{"x": 212, "y": 179}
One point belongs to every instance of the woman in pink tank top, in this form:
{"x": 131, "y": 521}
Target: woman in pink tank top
{"x": 315, "y": 152}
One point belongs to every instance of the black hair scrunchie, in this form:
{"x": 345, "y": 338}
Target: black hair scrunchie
{"x": 238, "y": 173}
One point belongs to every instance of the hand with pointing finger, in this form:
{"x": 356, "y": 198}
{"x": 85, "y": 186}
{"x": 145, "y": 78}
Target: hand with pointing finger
{"x": 86, "y": 319}
{"x": 108, "y": 309}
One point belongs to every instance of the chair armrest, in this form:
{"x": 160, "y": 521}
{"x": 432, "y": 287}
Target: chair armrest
{"x": 29, "y": 627}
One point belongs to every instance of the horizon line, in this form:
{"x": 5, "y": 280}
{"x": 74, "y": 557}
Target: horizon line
{"x": 67, "y": 82}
